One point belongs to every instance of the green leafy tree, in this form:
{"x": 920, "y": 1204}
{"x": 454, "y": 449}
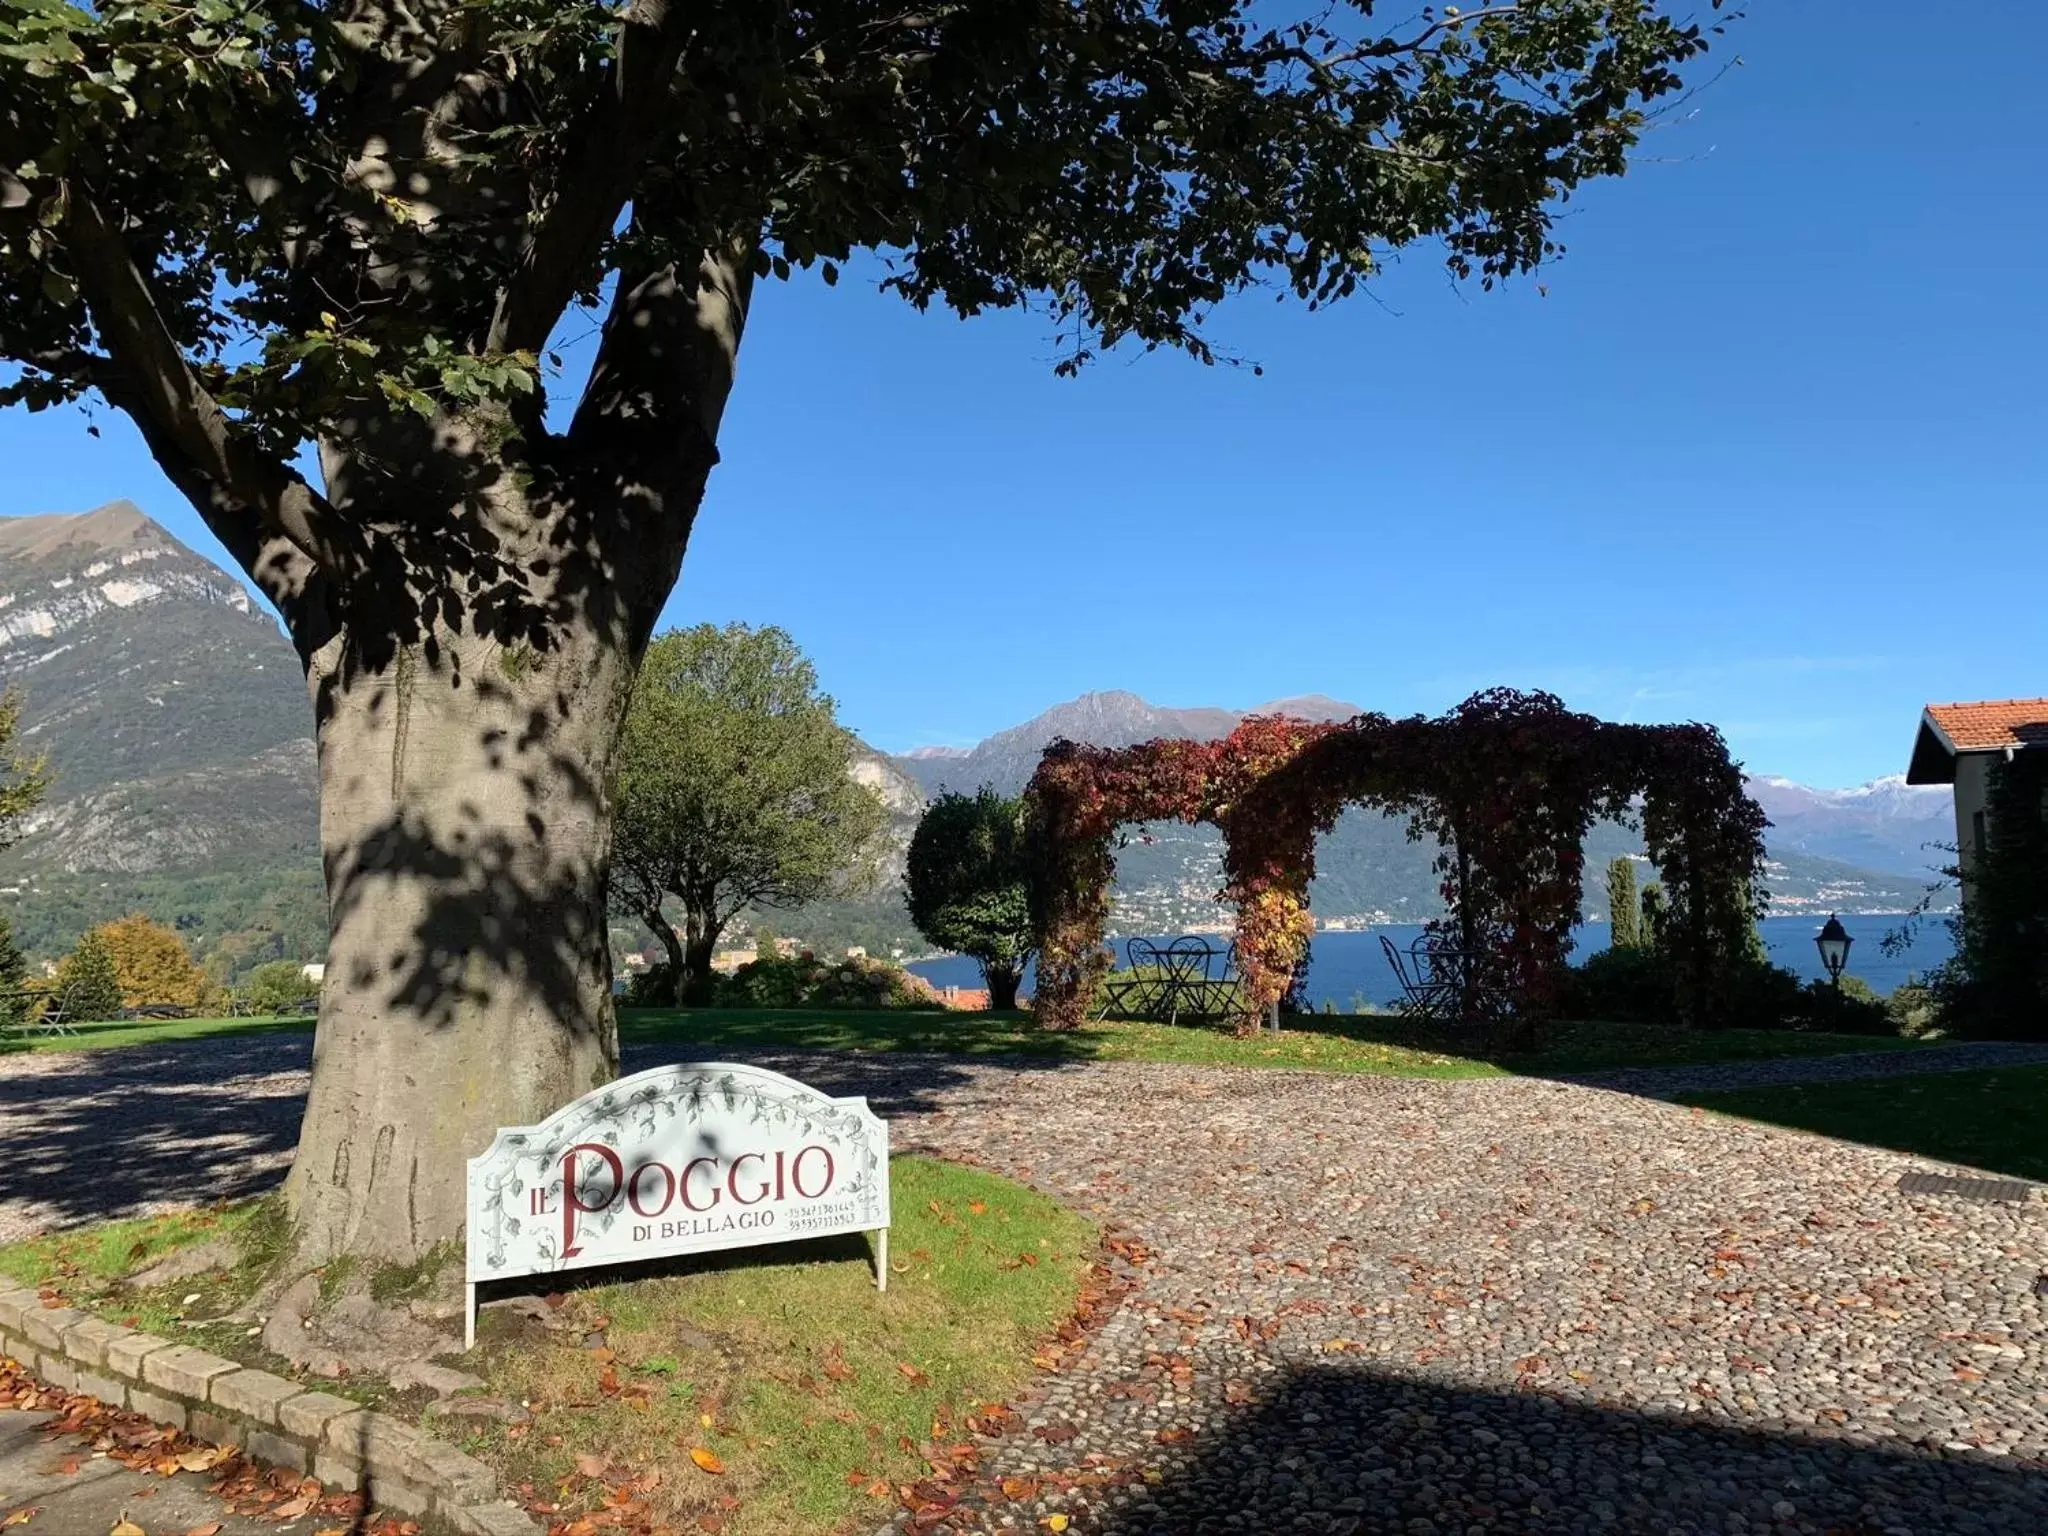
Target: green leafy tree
{"x": 88, "y": 981}
{"x": 23, "y": 779}
{"x": 347, "y": 235}
{"x": 735, "y": 789}
{"x": 1622, "y": 910}
{"x": 967, "y": 885}
{"x": 766, "y": 945}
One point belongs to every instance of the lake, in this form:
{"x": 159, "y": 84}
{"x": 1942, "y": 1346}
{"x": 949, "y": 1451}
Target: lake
{"x": 1344, "y": 967}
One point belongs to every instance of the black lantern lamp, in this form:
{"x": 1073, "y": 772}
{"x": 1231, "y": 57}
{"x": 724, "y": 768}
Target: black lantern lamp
{"x": 1834, "y": 942}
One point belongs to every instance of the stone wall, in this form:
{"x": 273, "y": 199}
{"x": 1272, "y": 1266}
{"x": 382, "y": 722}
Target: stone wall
{"x": 396, "y": 1466}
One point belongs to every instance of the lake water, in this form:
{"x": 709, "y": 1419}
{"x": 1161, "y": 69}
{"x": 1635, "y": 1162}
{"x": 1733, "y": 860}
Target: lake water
{"x": 1346, "y": 966}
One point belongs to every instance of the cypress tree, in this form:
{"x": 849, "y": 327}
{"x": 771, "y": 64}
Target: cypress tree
{"x": 1621, "y": 904}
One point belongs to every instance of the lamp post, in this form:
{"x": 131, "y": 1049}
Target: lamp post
{"x": 1833, "y": 943}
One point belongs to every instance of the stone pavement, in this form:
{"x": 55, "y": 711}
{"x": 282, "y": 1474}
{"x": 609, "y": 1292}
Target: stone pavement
{"x": 75, "y": 1493}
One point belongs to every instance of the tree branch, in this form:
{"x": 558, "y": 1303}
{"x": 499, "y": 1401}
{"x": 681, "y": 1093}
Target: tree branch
{"x": 598, "y": 174}
{"x": 177, "y": 414}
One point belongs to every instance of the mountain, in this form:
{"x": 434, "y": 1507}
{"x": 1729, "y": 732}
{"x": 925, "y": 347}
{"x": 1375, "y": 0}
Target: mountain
{"x": 175, "y": 717}
{"x": 1886, "y": 825}
{"x": 1851, "y": 850}
{"x": 1116, "y": 719}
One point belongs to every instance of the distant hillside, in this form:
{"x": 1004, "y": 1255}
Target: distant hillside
{"x": 175, "y": 716}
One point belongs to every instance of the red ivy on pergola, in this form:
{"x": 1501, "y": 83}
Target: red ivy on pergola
{"x": 1509, "y": 782}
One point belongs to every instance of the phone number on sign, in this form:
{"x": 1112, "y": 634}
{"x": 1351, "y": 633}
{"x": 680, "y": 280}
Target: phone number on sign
{"x": 816, "y": 1218}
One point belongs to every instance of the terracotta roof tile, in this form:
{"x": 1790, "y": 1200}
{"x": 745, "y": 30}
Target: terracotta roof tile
{"x": 1993, "y": 723}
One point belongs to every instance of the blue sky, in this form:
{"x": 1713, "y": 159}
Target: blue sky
{"x": 1769, "y": 451}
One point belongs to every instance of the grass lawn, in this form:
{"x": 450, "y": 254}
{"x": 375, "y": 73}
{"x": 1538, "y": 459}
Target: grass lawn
{"x": 118, "y": 1032}
{"x": 767, "y": 1392}
{"x": 1995, "y": 1119}
{"x": 812, "y": 1397}
{"x": 1327, "y": 1042}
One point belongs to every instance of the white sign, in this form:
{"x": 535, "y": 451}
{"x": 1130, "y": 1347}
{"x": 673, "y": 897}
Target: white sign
{"x": 680, "y": 1159}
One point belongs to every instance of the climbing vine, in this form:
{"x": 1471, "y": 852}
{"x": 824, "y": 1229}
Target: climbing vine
{"x": 1507, "y": 783}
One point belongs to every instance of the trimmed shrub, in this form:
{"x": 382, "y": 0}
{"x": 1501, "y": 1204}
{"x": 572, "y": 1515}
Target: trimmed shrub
{"x": 1631, "y": 984}
{"x": 805, "y": 981}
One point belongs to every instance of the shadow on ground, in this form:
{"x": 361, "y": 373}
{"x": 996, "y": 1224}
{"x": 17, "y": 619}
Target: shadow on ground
{"x": 99, "y": 1135}
{"x": 1336, "y": 1450}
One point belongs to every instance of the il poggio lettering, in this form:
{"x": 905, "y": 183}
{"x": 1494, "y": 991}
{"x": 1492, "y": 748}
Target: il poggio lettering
{"x": 701, "y": 1186}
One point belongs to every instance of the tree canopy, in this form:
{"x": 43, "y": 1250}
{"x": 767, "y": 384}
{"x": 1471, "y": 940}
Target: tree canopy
{"x": 734, "y": 790}
{"x": 968, "y": 885}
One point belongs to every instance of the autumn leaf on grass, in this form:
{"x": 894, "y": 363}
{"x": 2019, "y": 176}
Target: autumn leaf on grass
{"x": 590, "y": 1466}
{"x": 912, "y": 1374}
{"x": 978, "y": 1207}
{"x": 707, "y": 1460}
{"x": 835, "y": 1365}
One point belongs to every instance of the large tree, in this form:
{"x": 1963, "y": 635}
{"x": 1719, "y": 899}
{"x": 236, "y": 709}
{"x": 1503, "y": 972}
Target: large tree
{"x": 734, "y": 789}
{"x": 317, "y": 252}
{"x": 967, "y": 882}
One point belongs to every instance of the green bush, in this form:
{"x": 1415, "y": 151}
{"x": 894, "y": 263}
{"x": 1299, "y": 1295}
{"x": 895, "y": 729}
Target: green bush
{"x": 1915, "y": 1010}
{"x": 654, "y": 987}
{"x": 1855, "y": 1009}
{"x": 805, "y": 981}
{"x": 278, "y": 985}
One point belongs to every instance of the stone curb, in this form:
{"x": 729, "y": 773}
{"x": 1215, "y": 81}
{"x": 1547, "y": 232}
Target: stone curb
{"x": 393, "y": 1464}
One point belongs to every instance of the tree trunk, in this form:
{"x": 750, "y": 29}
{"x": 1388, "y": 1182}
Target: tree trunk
{"x": 665, "y": 934}
{"x": 465, "y": 832}
{"x": 1002, "y": 982}
{"x": 700, "y": 938}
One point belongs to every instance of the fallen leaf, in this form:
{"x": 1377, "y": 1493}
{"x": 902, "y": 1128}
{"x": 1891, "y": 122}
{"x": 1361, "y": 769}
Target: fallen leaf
{"x": 1056, "y": 1522}
{"x": 912, "y": 1374}
{"x": 710, "y": 1524}
{"x": 293, "y": 1508}
{"x": 126, "y": 1527}
{"x": 212, "y": 1528}
{"x": 200, "y": 1460}
{"x": 978, "y": 1207}
{"x": 708, "y": 1460}
{"x": 22, "y": 1516}
{"x": 590, "y": 1466}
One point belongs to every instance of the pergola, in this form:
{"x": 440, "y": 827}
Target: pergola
{"x": 1508, "y": 782}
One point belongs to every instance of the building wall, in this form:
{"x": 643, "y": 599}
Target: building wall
{"x": 1973, "y": 788}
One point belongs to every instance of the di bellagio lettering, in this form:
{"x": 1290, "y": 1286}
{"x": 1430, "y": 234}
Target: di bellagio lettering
{"x": 703, "y": 1196}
